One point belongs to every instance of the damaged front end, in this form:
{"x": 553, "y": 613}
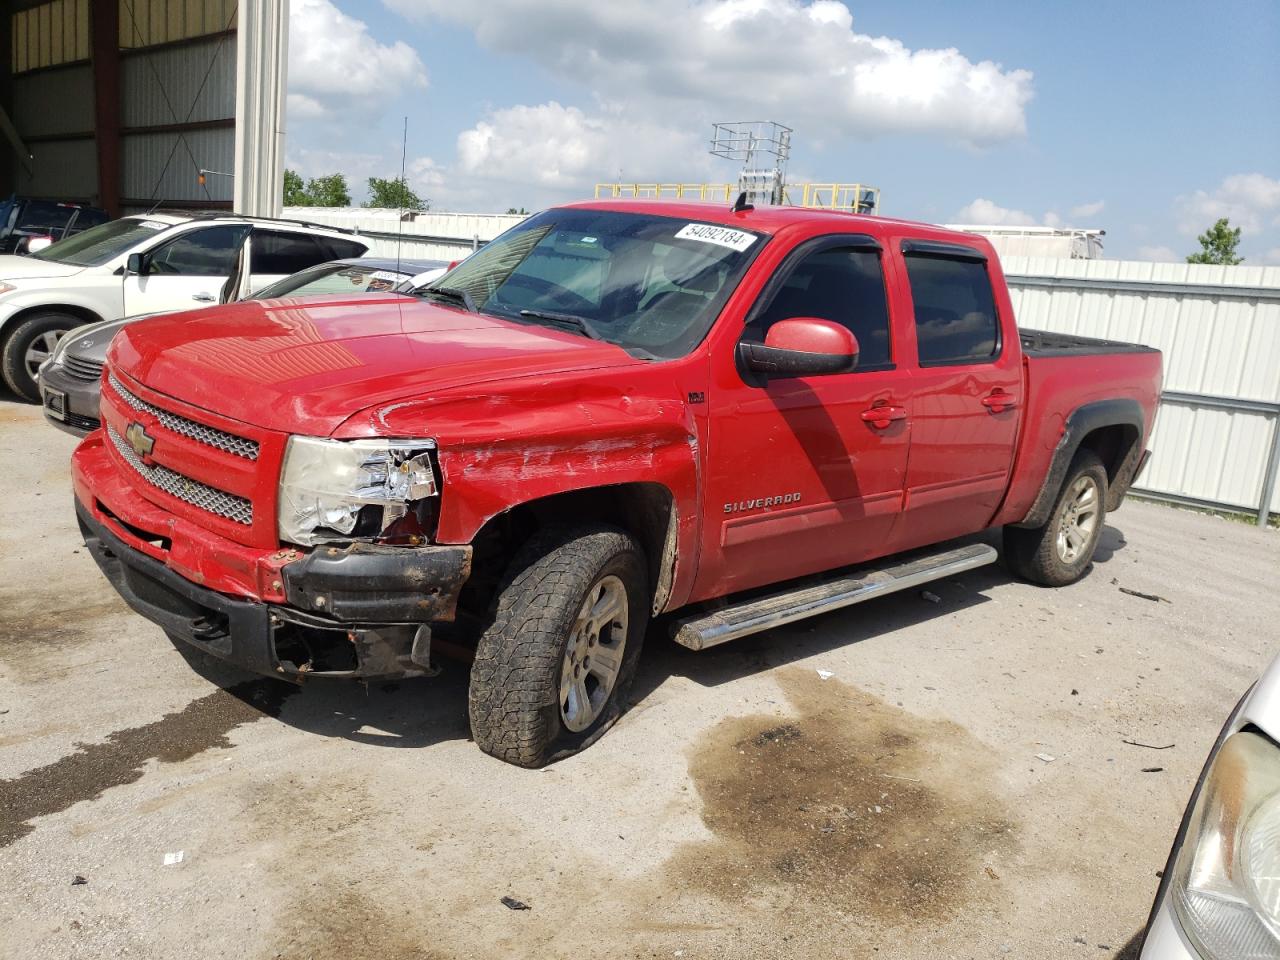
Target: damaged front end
{"x": 361, "y": 611}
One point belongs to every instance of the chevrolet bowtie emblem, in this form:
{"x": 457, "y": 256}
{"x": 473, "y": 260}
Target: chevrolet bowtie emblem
{"x": 139, "y": 439}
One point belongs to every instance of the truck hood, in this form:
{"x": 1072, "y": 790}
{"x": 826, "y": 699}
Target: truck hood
{"x": 305, "y": 365}
{"x": 29, "y": 268}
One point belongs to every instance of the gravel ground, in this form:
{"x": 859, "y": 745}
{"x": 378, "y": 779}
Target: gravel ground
{"x": 744, "y": 807}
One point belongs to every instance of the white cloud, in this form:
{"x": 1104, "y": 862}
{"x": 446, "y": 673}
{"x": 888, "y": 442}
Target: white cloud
{"x": 801, "y": 62}
{"x": 555, "y": 146}
{"x": 989, "y": 213}
{"x": 1249, "y": 200}
{"x": 1160, "y": 254}
{"x": 335, "y": 66}
{"x": 1084, "y": 211}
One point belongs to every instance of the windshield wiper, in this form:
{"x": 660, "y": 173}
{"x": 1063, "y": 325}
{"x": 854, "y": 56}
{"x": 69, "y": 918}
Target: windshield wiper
{"x": 581, "y": 324}
{"x": 450, "y": 293}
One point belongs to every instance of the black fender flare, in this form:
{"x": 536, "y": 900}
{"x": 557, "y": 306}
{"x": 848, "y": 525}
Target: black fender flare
{"x": 1121, "y": 411}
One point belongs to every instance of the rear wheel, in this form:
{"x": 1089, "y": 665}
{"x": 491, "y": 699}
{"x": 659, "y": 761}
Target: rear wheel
{"x": 552, "y": 671}
{"x": 29, "y": 344}
{"x": 1060, "y": 551}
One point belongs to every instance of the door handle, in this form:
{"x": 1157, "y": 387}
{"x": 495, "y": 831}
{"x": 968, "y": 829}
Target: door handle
{"x": 204, "y": 297}
{"x": 998, "y": 401}
{"x": 881, "y": 417}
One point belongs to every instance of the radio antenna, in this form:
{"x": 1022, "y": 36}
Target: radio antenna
{"x": 404, "y": 186}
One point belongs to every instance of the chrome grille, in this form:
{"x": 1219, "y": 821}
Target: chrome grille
{"x": 81, "y": 368}
{"x": 199, "y": 432}
{"x": 190, "y": 491}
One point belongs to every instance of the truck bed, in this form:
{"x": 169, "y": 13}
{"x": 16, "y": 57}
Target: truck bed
{"x": 1063, "y": 373}
{"x": 1042, "y": 343}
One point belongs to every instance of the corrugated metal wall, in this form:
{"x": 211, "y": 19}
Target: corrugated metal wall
{"x": 192, "y": 83}
{"x": 56, "y": 103}
{"x": 1217, "y": 437}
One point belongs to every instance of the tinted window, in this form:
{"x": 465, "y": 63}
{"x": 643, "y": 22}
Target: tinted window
{"x": 206, "y": 252}
{"x": 43, "y": 215}
{"x": 284, "y": 252}
{"x": 843, "y": 285}
{"x": 955, "y": 313}
{"x": 341, "y": 249}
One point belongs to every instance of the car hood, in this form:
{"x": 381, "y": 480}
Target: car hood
{"x": 305, "y": 365}
{"x": 29, "y": 268}
{"x": 91, "y": 341}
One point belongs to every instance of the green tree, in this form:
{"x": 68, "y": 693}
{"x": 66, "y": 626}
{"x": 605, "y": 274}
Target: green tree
{"x": 295, "y": 194}
{"x": 394, "y": 194}
{"x": 1218, "y": 245}
{"x": 522, "y": 211}
{"x": 330, "y": 191}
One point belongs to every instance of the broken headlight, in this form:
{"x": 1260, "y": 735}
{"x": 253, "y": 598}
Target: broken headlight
{"x": 1226, "y": 888}
{"x": 355, "y": 489}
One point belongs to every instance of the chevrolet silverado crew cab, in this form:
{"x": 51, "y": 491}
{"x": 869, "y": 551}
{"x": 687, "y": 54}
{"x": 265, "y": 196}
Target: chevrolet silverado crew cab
{"x": 732, "y": 417}
{"x": 157, "y": 263}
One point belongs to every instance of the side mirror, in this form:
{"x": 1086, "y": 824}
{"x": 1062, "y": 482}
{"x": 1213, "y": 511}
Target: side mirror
{"x": 136, "y": 264}
{"x": 802, "y": 346}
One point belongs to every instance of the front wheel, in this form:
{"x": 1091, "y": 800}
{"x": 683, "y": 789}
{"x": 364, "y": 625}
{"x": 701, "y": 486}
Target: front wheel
{"x": 552, "y": 670}
{"x": 1059, "y": 552}
{"x": 28, "y": 345}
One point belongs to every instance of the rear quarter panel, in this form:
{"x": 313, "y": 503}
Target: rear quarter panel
{"x": 1056, "y": 386}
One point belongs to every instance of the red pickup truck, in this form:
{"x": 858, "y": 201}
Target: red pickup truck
{"x": 733, "y": 417}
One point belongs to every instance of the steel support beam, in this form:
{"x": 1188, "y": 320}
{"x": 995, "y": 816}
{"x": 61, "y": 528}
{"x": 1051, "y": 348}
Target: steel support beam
{"x": 104, "y": 46}
{"x": 262, "y": 50}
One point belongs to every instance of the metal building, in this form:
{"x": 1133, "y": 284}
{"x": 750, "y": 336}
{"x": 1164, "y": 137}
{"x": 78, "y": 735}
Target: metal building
{"x": 132, "y": 104}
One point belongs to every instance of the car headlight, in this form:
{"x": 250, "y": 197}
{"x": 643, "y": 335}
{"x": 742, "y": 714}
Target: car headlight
{"x": 356, "y": 489}
{"x": 1226, "y": 885}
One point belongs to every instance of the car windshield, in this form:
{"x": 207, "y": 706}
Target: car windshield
{"x": 652, "y": 285}
{"x": 97, "y": 245}
{"x": 335, "y": 278}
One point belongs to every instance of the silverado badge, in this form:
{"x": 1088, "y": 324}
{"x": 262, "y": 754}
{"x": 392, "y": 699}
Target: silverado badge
{"x": 139, "y": 439}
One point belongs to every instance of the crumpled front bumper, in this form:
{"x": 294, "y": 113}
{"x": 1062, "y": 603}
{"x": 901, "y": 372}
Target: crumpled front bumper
{"x": 374, "y": 634}
{"x": 361, "y": 611}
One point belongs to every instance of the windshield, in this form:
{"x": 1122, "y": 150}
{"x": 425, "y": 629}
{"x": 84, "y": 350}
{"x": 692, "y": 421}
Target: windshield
{"x": 652, "y": 285}
{"x": 334, "y": 278}
{"x": 99, "y": 244}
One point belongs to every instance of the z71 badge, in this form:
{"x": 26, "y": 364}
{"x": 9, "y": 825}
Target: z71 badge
{"x": 761, "y": 503}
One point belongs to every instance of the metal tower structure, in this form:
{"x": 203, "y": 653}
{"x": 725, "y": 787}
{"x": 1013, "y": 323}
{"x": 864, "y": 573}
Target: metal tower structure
{"x": 763, "y": 148}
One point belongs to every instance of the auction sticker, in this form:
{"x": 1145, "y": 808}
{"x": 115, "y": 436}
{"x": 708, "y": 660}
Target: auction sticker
{"x": 721, "y": 236}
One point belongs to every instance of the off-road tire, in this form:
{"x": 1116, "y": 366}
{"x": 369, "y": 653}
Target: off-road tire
{"x": 1032, "y": 552}
{"x": 19, "y": 340}
{"x": 514, "y": 700}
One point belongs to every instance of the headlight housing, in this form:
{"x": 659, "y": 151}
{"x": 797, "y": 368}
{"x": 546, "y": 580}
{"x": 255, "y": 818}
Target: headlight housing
{"x": 1226, "y": 884}
{"x": 356, "y": 489}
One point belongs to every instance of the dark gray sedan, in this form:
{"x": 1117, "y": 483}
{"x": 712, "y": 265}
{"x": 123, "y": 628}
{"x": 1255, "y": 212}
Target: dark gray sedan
{"x": 70, "y": 379}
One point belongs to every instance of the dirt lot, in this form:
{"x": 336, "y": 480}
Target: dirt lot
{"x": 745, "y": 807}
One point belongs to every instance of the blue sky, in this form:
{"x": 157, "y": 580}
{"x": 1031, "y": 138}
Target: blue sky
{"x": 1146, "y": 118}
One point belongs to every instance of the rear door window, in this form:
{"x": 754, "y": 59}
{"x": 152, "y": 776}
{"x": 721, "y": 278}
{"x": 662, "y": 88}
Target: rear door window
{"x": 279, "y": 252}
{"x": 955, "y": 312}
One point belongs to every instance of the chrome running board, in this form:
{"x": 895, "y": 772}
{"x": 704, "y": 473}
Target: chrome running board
{"x": 811, "y": 599}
